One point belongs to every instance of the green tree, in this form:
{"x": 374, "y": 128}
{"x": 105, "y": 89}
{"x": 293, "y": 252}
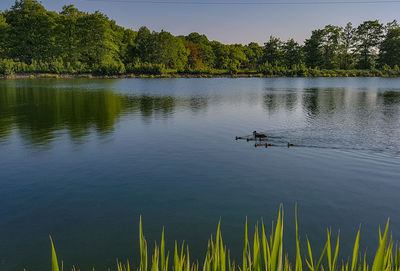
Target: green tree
{"x": 237, "y": 58}
{"x": 97, "y": 46}
{"x": 330, "y": 46}
{"x": 253, "y": 52}
{"x": 169, "y": 50}
{"x": 368, "y": 35}
{"x": 205, "y": 46}
{"x": 312, "y": 49}
{"x": 195, "y": 58}
{"x": 391, "y": 25}
{"x": 31, "y": 32}
{"x": 161, "y": 48}
{"x": 273, "y": 53}
{"x": 347, "y": 46}
{"x": 293, "y": 54}
{"x": 221, "y": 52}
{"x": 144, "y": 42}
{"x": 390, "y": 48}
{"x": 127, "y": 44}
{"x": 3, "y": 36}
{"x": 67, "y": 35}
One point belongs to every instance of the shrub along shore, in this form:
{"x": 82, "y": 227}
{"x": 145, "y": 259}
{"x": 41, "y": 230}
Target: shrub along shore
{"x": 307, "y": 72}
{"x": 261, "y": 253}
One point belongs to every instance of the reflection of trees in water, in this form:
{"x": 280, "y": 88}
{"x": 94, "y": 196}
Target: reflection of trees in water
{"x": 6, "y": 116}
{"x": 197, "y": 103}
{"x": 391, "y": 102}
{"x": 334, "y": 103}
{"x": 340, "y": 117}
{"x": 362, "y": 118}
{"x": 317, "y": 102}
{"x": 389, "y": 98}
{"x": 150, "y": 106}
{"x": 38, "y": 113}
{"x": 274, "y": 101}
{"x": 311, "y": 102}
{"x": 158, "y": 106}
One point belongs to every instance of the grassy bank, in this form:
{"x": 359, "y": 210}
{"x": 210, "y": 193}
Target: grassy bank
{"x": 219, "y": 74}
{"x": 10, "y": 69}
{"x": 260, "y": 253}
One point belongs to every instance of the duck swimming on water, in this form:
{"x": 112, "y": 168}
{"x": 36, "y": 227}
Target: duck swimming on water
{"x": 258, "y": 135}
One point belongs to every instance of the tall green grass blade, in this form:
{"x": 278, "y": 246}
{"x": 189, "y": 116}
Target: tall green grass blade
{"x": 320, "y": 259}
{"x": 355, "y": 252}
{"x": 331, "y": 262}
{"x": 162, "y": 253}
{"x": 256, "y": 251}
{"x": 176, "y": 258}
{"x": 379, "y": 259}
{"x": 329, "y": 251}
{"x": 336, "y": 252}
{"x": 245, "y": 247}
{"x": 143, "y": 248}
{"x": 299, "y": 264}
{"x": 277, "y": 246}
{"x": 54, "y": 261}
{"x": 265, "y": 245}
{"x": 310, "y": 263}
{"x": 187, "y": 265}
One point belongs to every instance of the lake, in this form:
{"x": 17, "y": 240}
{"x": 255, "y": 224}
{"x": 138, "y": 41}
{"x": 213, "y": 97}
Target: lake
{"x": 83, "y": 159}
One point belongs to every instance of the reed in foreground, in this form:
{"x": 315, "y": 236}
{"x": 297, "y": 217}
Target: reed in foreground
{"x": 264, "y": 253}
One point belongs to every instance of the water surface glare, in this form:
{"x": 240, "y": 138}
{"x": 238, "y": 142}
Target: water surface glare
{"x": 83, "y": 159}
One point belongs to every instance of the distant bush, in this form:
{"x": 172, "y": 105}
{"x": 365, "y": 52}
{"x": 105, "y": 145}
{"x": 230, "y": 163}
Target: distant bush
{"x": 48, "y": 75}
{"x": 109, "y": 69}
{"x": 7, "y": 66}
{"x": 57, "y": 66}
{"x": 145, "y": 68}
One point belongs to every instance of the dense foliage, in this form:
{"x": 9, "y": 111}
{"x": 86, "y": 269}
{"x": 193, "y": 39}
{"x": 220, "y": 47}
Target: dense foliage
{"x": 35, "y": 40}
{"x": 261, "y": 253}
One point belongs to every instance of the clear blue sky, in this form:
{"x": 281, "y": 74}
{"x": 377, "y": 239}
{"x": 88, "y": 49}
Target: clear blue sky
{"x": 232, "y": 23}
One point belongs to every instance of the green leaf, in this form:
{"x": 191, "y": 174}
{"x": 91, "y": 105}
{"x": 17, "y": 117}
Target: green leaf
{"x": 54, "y": 261}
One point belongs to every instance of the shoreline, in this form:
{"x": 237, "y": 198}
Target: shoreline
{"x": 176, "y": 75}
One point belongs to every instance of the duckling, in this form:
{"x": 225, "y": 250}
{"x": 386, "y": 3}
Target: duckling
{"x": 258, "y": 135}
{"x": 268, "y": 145}
{"x": 238, "y": 137}
{"x": 290, "y": 144}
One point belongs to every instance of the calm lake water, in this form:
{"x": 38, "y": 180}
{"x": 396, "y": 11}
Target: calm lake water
{"x": 83, "y": 159}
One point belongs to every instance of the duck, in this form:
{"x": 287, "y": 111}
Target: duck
{"x": 258, "y": 135}
{"x": 290, "y": 144}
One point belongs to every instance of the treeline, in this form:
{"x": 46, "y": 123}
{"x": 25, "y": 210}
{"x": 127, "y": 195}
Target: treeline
{"x": 34, "y": 40}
